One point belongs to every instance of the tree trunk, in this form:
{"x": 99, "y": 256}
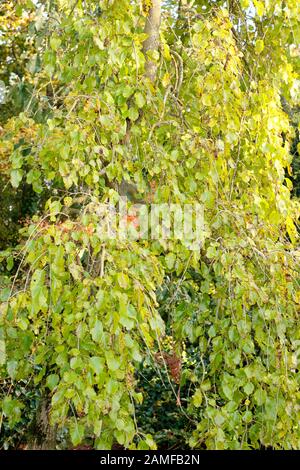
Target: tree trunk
{"x": 151, "y": 43}
{"x": 42, "y": 434}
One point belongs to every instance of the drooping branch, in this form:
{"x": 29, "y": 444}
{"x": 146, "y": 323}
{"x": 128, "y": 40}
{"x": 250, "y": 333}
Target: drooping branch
{"x": 151, "y": 43}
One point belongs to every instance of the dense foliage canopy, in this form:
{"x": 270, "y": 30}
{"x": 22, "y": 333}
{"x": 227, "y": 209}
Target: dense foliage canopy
{"x": 198, "y": 104}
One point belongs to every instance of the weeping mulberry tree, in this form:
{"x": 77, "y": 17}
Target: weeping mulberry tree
{"x": 183, "y": 101}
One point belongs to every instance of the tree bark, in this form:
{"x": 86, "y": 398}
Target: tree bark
{"x": 151, "y": 43}
{"x": 42, "y": 435}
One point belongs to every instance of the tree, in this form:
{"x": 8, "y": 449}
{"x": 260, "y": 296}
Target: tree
{"x": 19, "y": 41}
{"x": 190, "y": 113}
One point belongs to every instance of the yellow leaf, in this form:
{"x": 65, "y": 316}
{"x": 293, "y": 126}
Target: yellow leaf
{"x": 206, "y": 100}
{"x": 245, "y": 3}
{"x": 166, "y": 80}
{"x": 259, "y": 6}
{"x": 166, "y": 52}
{"x": 259, "y": 46}
{"x": 291, "y": 229}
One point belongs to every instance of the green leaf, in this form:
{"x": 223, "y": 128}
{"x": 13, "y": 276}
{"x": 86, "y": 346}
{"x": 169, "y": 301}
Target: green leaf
{"x": 127, "y": 91}
{"x": 4, "y": 294}
{"x": 260, "y": 396}
{"x": 23, "y": 323}
{"x": 249, "y": 387}
{"x": 97, "y": 364}
{"x": 139, "y": 99}
{"x": 219, "y": 419}
{"x": 197, "y": 398}
{"x": 12, "y": 367}
{"x": 127, "y": 322}
{"x": 51, "y": 381}
{"x": 120, "y": 436}
{"x": 12, "y": 410}
{"x": 133, "y": 114}
{"x": 39, "y": 291}
{"x": 10, "y": 263}
{"x": 142, "y": 445}
{"x": 228, "y": 391}
{"x": 16, "y": 177}
{"x": 2, "y": 352}
{"x": 76, "y": 363}
{"x": 123, "y": 280}
{"x": 76, "y": 271}
{"x": 76, "y": 433}
{"x": 98, "y": 427}
{"x": 170, "y": 259}
{"x": 97, "y": 332}
{"x": 211, "y": 252}
{"x": 113, "y": 363}
{"x": 55, "y": 43}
